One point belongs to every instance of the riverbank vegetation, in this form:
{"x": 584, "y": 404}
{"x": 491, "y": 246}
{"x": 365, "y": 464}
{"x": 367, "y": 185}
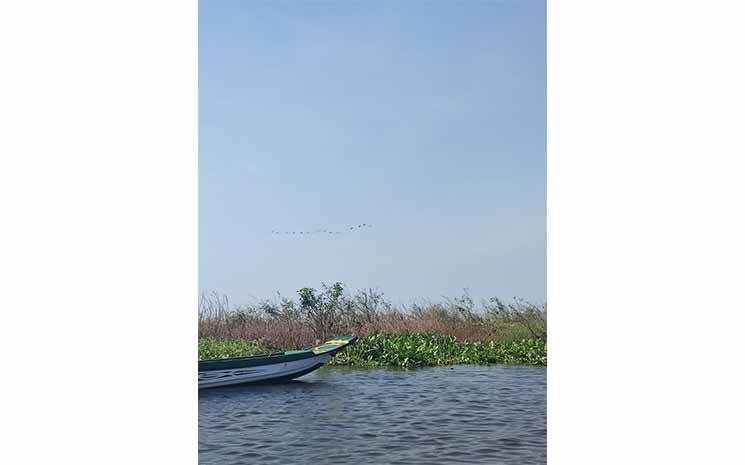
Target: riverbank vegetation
{"x": 420, "y": 350}
{"x": 398, "y": 350}
{"x": 422, "y": 334}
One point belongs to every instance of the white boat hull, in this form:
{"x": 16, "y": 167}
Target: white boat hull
{"x": 217, "y": 378}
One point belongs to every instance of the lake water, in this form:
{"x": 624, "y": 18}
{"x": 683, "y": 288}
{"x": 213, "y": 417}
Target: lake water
{"x": 493, "y": 414}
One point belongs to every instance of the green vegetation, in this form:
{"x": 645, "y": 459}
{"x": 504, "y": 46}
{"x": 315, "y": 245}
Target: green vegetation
{"x": 421, "y": 350}
{"x": 421, "y": 334}
{"x": 400, "y": 351}
{"x": 210, "y": 348}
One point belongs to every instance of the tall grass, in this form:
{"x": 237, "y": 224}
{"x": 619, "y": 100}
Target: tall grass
{"x": 329, "y": 310}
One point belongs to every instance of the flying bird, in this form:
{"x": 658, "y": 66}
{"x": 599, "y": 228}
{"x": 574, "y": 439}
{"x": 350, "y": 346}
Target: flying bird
{"x": 346, "y": 229}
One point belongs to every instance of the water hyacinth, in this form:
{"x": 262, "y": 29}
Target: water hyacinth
{"x": 400, "y": 351}
{"x": 421, "y": 350}
{"x": 212, "y": 348}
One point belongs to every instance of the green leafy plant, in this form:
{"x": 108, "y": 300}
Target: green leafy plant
{"x": 212, "y": 348}
{"x": 420, "y": 350}
{"x": 399, "y": 351}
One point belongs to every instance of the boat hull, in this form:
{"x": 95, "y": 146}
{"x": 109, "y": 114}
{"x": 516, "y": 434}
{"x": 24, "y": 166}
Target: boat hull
{"x": 270, "y": 367}
{"x": 254, "y": 374}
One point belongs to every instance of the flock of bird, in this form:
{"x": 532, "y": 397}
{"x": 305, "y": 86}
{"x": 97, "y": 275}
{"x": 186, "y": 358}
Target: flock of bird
{"x": 325, "y": 231}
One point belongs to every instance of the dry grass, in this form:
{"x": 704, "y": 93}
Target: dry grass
{"x": 321, "y": 313}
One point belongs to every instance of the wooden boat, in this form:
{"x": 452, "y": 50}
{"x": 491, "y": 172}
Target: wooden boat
{"x": 280, "y": 366}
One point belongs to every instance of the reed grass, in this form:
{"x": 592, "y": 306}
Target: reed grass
{"x": 320, "y": 314}
{"x": 445, "y": 333}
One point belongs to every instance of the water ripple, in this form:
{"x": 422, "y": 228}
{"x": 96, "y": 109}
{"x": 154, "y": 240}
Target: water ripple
{"x": 466, "y": 414}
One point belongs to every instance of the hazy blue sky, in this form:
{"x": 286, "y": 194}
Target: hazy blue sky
{"x": 426, "y": 119}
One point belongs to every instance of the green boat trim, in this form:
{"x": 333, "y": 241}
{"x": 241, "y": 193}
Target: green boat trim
{"x": 331, "y": 347}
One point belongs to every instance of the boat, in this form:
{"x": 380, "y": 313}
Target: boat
{"x": 279, "y": 366}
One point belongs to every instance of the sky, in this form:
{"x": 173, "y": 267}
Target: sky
{"x": 426, "y": 120}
